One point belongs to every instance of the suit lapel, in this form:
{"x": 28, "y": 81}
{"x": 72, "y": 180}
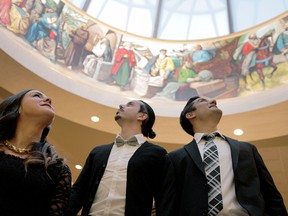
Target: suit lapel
{"x": 193, "y": 152}
{"x": 234, "y": 146}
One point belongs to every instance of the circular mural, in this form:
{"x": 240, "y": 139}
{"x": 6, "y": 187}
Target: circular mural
{"x": 108, "y": 66}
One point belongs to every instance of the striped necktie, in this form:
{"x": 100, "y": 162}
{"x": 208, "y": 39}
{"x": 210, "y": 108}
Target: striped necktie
{"x": 212, "y": 170}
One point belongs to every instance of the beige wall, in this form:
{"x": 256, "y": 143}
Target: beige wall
{"x": 276, "y": 160}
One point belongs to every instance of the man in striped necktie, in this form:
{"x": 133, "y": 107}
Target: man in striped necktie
{"x": 233, "y": 182}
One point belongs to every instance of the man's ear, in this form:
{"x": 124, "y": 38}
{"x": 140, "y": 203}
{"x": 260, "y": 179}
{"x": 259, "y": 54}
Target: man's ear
{"x": 190, "y": 115}
{"x": 142, "y": 116}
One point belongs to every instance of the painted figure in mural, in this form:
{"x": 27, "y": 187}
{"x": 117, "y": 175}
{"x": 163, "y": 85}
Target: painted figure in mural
{"x": 101, "y": 51}
{"x": 163, "y": 65}
{"x": 47, "y": 45}
{"x": 23, "y": 13}
{"x": 43, "y": 33}
{"x": 255, "y": 55}
{"x": 200, "y": 55}
{"x": 183, "y": 75}
{"x": 281, "y": 44}
{"x": 238, "y": 184}
{"x": 19, "y": 17}
{"x": 202, "y": 76}
{"x": 4, "y": 12}
{"x": 186, "y": 90}
{"x": 35, "y": 180}
{"x": 74, "y": 51}
{"x": 125, "y": 60}
{"x": 249, "y": 56}
{"x": 42, "y": 27}
{"x": 264, "y": 57}
{"x": 124, "y": 177}
{"x": 161, "y": 68}
{"x": 37, "y": 7}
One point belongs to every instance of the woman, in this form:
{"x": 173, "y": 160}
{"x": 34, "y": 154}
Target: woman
{"x": 34, "y": 180}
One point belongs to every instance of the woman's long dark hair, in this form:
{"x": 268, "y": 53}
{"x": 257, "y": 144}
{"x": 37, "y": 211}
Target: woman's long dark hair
{"x": 41, "y": 152}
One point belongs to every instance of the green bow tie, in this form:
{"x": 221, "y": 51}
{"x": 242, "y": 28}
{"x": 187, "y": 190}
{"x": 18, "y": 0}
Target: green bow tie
{"x": 132, "y": 141}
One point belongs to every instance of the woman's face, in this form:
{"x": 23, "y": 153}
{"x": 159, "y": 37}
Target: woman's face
{"x": 36, "y": 104}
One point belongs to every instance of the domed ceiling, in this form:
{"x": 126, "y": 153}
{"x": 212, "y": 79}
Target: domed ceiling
{"x": 244, "y": 71}
{"x": 108, "y": 66}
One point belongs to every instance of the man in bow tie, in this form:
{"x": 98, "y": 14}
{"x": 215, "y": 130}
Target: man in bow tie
{"x": 241, "y": 183}
{"x": 124, "y": 177}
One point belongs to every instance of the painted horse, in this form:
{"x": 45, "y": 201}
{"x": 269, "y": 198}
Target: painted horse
{"x": 262, "y": 58}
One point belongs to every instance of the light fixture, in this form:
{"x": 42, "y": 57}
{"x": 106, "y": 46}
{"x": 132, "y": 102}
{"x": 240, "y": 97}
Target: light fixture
{"x": 79, "y": 167}
{"x": 95, "y": 119}
{"x": 238, "y": 132}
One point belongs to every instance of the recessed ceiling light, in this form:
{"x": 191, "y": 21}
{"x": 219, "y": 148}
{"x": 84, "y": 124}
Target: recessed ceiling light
{"x": 238, "y": 132}
{"x": 95, "y": 119}
{"x": 79, "y": 167}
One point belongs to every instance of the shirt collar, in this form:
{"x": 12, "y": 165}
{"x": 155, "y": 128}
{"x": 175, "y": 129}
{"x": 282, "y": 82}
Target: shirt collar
{"x": 198, "y": 136}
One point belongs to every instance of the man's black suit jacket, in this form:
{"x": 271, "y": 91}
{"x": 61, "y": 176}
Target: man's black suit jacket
{"x": 185, "y": 185}
{"x": 144, "y": 176}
